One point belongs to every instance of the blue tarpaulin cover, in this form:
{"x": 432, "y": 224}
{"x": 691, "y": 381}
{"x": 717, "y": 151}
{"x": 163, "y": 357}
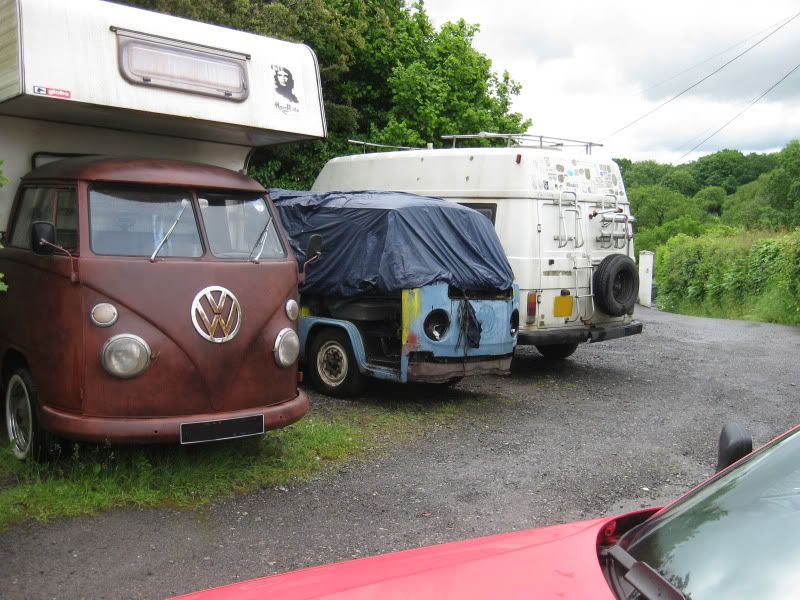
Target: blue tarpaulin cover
{"x": 382, "y": 242}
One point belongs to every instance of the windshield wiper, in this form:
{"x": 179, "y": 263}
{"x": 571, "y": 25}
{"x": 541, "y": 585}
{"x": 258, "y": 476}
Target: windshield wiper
{"x": 263, "y": 239}
{"x": 184, "y": 204}
{"x": 645, "y": 579}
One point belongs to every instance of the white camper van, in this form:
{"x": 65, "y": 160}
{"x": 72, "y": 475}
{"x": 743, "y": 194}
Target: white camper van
{"x": 562, "y": 216}
{"x": 151, "y": 296}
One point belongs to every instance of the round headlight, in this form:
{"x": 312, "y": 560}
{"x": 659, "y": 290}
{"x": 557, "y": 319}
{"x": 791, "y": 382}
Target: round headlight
{"x": 287, "y": 348}
{"x": 292, "y": 309}
{"x": 125, "y": 355}
{"x": 514, "y": 322}
{"x": 436, "y": 324}
{"x": 104, "y": 314}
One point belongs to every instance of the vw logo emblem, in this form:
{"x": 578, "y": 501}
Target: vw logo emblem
{"x": 216, "y": 314}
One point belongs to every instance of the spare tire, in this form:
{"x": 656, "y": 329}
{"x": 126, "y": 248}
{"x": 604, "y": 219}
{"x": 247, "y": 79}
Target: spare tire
{"x": 616, "y": 285}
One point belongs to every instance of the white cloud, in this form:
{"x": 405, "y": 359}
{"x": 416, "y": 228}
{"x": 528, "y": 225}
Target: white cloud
{"x": 588, "y": 68}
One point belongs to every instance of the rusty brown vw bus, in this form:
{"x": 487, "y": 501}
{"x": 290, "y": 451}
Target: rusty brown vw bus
{"x": 148, "y": 301}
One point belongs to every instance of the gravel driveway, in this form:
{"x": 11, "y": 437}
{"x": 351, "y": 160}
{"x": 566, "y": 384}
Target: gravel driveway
{"x": 620, "y": 425}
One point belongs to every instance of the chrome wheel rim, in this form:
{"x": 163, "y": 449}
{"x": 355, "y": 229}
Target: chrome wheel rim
{"x": 332, "y": 364}
{"x": 19, "y": 416}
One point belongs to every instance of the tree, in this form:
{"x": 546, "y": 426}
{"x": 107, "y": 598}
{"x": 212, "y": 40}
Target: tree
{"x": 654, "y": 205}
{"x": 624, "y": 165}
{"x": 793, "y": 216}
{"x": 711, "y": 199}
{"x": 779, "y": 182}
{"x": 644, "y": 172}
{"x": 680, "y": 179}
{"x": 789, "y": 159}
{"x": 723, "y": 169}
{"x": 749, "y": 207}
{"x": 448, "y": 88}
{"x": 756, "y": 165}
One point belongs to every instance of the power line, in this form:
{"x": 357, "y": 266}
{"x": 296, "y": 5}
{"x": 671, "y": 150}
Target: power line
{"x": 694, "y": 85}
{"x": 737, "y": 115}
{"x": 710, "y": 58}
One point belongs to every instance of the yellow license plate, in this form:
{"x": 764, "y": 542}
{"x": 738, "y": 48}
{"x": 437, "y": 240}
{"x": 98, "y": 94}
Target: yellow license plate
{"x": 562, "y": 307}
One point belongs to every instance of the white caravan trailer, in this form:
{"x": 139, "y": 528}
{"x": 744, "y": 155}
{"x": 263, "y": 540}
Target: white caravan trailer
{"x": 563, "y": 219}
{"x": 92, "y": 77}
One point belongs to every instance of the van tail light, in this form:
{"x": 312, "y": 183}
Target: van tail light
{"x": 531, "y": 307}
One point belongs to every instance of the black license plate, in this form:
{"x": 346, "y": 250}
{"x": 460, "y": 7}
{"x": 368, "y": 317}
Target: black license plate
{"x": 224, "y": 429}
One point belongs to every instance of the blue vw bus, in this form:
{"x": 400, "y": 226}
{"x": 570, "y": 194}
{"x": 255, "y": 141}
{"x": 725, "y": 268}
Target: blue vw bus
{"x": 406, "y": 289}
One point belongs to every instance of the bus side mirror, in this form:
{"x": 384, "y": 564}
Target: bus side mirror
{"x": 43, "y": 237}
{"x": 313, "y": 251}
{"x": 734, "y": 443}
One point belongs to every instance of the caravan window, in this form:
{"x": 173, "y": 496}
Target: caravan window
{"x": 131, "y": 221}
{"x": 151, "y": 60}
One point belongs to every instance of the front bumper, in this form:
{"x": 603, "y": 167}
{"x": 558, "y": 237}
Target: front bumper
{"x": 595, "y": 333}
{"x": 144, "y": 430}
{"x": 433, "y": 371}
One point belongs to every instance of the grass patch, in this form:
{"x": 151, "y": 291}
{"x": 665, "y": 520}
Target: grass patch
{"x": 90, "y": 478}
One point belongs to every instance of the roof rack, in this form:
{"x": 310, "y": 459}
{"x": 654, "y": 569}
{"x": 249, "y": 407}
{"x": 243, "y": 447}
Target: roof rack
{"x": 527, "y": 140}
{"x": 374, "y": 145}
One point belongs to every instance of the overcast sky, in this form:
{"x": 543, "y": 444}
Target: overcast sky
{"x": 588, "y": 68}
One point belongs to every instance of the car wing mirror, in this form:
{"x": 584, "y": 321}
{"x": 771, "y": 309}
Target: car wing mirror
{"x": 43, "y": 237}
{"x": 734, "y": 443}
{"x": 313, "y": 250}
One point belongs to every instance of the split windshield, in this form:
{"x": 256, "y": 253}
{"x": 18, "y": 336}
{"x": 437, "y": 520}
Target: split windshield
{"x": 133, "y": 221}
{"x": 735, "y": 537}
{"x": 240, "y": 226}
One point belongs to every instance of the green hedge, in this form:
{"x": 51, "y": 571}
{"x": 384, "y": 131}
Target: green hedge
{"x": 749, "y": 275}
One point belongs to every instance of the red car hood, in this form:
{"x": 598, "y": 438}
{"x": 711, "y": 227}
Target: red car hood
{"x": 552, "y": 562}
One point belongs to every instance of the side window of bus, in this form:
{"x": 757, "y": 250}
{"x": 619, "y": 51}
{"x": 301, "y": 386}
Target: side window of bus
{"x": 58, "y": 206}
{"x": 487, "y": 210}
{"x": 36, "y": 204}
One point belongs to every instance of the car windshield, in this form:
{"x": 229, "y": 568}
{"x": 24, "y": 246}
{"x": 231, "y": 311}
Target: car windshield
{"x": 240, "y": 226}
{"x": 735, "y": 537}
{"x": 132, "y": 221}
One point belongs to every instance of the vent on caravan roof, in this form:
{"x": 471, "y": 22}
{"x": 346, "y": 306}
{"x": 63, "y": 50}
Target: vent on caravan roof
{"x": 151, "y": 60}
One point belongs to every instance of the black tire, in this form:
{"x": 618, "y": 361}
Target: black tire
{"x": 557, "y": 351}
{"x": 616, "y": 285}
{"x": 28, "y": 439}
{"x": 332, "y": 365}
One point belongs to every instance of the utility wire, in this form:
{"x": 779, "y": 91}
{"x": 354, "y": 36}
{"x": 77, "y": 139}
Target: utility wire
{"x": 737, "y": 115}
{"x": 694, "y": 85}
{"x": 710, "y": 58}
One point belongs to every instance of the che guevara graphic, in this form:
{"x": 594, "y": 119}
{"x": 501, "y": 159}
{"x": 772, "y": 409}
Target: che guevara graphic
{"x": 287, "y": 100}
